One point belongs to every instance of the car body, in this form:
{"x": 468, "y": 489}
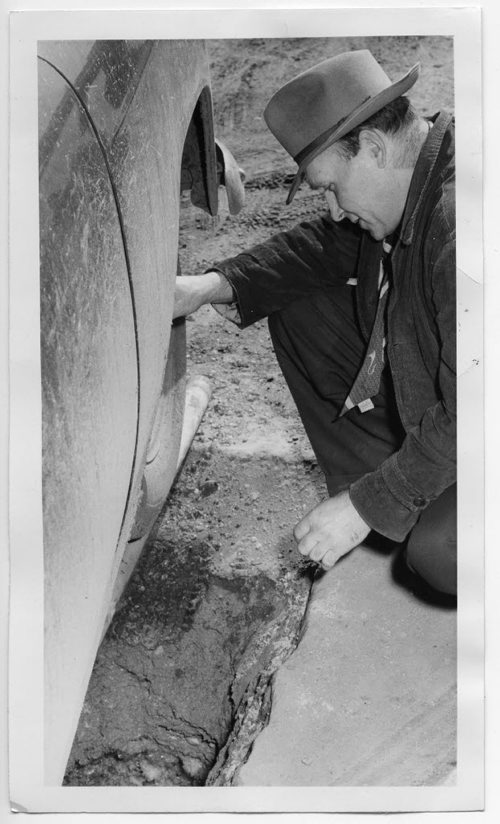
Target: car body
{"x": 124, "y": 127}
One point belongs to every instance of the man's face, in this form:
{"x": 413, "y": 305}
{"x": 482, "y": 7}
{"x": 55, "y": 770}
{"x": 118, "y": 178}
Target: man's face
{"x": 365, "y": 189}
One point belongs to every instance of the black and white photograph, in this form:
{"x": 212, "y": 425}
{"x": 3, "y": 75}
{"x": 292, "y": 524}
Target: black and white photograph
{"x": 254, "y": 344}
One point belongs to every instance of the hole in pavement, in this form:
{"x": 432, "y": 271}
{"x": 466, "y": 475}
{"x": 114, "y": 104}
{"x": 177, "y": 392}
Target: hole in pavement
{"x": 183, "y": 678}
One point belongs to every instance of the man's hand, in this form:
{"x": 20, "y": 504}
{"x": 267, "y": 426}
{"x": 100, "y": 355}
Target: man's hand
{"x": 191, "y": 292}
{"x": 330, "y": 530}
{"x": 189, "y": 296}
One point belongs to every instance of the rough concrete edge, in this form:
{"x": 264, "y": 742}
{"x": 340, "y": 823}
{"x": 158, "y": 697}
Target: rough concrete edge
{"x": 253, "y": 712}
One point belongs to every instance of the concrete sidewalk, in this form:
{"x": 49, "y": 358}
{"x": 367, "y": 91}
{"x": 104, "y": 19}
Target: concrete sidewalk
{"x": 369, "y": 695}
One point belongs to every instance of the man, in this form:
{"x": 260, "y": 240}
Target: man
{"x": 361, "y": 307}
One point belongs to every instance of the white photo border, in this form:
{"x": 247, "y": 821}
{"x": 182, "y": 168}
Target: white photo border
{"x": 28, "y": 791}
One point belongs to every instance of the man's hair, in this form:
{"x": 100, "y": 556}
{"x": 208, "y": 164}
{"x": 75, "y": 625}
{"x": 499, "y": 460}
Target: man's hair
{"x": 397, "y": 118}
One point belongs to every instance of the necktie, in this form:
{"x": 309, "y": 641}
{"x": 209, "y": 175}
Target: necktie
{"x": 367, "y": 381}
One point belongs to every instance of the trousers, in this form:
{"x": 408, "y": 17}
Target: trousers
{"x": 320, "y": 348}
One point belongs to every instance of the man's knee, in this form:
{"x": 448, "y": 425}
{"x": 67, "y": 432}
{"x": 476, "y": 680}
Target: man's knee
{"x": 291, "y": 322}
{"x": 278, "y": 323}
{"x": 330, "y": 313}
{"x": 432, "y": 547}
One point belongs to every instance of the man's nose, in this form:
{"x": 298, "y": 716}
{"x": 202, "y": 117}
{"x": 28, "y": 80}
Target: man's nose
{"x": 336, "y": 212}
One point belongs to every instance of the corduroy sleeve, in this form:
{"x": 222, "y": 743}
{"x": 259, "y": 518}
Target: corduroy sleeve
{"x": 289, "y": 266}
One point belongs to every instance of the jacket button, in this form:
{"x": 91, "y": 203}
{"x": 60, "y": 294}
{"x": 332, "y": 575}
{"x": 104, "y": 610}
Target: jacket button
{"x": 419, "y": 502}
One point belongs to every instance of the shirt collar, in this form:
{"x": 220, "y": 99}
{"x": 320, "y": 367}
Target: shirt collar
{"x": 423, "y": 174}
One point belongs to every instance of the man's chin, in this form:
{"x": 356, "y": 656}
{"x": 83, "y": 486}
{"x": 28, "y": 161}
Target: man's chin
{"x": 377, "y": 234}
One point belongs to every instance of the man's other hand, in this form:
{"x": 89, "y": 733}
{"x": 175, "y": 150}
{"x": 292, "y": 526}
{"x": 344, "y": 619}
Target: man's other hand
{"x": 330, "y": 530}
{"x": 191, "y": 292}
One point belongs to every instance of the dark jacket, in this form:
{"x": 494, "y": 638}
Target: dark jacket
{"x": 421, "y": 321}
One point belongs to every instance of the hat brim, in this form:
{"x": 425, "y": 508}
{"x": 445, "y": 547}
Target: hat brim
{"x": 358, "y": 116}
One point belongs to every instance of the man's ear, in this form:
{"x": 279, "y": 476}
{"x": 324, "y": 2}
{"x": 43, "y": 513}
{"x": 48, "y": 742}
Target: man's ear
{"x": 374, "y": 143}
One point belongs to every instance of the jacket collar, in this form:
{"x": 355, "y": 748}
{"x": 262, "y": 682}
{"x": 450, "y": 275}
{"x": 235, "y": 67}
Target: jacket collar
{"x": 423, "y": 174}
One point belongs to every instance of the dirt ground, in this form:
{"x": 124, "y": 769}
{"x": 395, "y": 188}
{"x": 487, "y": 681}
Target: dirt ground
{"x": 183, "y": 680}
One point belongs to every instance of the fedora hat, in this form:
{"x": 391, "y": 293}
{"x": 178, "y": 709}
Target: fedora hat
{"x": 324, "y": 103}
